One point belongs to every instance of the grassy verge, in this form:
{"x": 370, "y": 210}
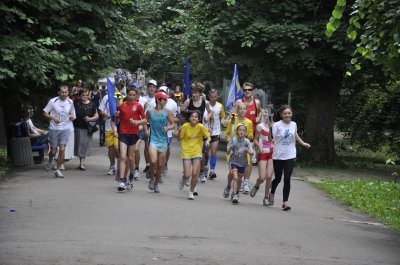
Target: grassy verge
{"x": 3, "y": 161}
{"x": 377, "y": 198}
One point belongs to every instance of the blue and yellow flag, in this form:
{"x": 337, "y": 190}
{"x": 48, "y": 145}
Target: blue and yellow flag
{"x": 186, "y": 91}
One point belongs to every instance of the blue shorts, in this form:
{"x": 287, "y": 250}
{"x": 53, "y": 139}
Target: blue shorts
{"x": 192, "y": 159}
{"x": 128, "y": 139}
{"x": 159, "y": 147}
{"x": 169, "y": 142}
{"x": 240, "y": 170}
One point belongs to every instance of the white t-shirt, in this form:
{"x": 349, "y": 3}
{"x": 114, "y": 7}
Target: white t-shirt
{"x": 284, "y": 140}
{"x": 143, "y": 101}
{"x": 218, "y": 113}
{"x": 151, "y": 102}
{"x": 61, "y": 109}
{"x": 173, "y": 107}
{"x": 105, "y": 107}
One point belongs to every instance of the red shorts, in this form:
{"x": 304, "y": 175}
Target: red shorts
{"x": 265, "y": 157}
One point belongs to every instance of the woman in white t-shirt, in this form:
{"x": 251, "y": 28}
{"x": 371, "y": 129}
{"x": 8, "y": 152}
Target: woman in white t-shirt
{"x": 285, "y": 136}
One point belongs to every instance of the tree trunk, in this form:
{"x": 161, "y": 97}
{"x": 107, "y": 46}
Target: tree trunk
{"x": 319, "y": 124}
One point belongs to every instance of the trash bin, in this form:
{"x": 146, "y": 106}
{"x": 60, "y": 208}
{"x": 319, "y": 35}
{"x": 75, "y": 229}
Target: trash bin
{"x": 21, "y": 152}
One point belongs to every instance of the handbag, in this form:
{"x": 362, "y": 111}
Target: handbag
{"x": 92, "y": 127}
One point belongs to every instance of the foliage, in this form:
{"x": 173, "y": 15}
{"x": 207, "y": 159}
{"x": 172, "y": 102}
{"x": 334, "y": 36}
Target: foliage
{"x": 48, "y": 42}
{"x": 380, "y": 199}
{"x": 4, "y": 164}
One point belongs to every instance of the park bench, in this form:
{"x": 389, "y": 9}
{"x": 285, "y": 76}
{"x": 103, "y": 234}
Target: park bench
{"x": 22, "y": 152}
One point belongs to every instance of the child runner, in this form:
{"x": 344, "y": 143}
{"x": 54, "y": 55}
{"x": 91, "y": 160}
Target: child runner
{"x": 240, "y": 119}
{"x": 130, "y": 115}
{"x": 214, "y": 126}
{"x": 285, "y": 136}
{"x": 238, "y": 159}
{"x": 263, "y": 141}
{"x": 192, "y": 134}
{"x": 158, "y": 142}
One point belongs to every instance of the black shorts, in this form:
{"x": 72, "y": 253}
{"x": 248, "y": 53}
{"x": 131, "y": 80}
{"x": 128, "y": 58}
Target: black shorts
{"x": 129, "y": 139}
{"x": 214, "y": 138}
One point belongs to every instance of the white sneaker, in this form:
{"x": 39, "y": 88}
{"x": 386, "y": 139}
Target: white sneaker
{"x": 48, "y": 166}
{"x": 165, "y": 172}
{"x": 253, "y": 160}
{"x": 246, "y": 187}
{"x": 62, "y": 167}
{"x": 111, "y": 171}
{"x": 235, "y": 199}
{"x": 195, "y": 192}
{"x": 121, "y": 186}
{"x": 151, "y": 184}
{"x": 136, "y": 175}
{"x": 191, "y": 196}
{"x": 202, "y": 177}
{"x": 58, "y": 174}
{"x": 181, "y": 184}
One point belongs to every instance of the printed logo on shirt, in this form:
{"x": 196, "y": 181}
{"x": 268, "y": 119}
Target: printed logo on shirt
{"x": 134, "y": 108}
{"x": 288, "y": 137}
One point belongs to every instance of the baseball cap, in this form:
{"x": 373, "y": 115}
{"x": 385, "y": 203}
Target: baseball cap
{"x": 153, "y": 82}
{"x": 136, "y": 84}
{"x": 163, "y": 89}
{"x": 161, "y": 95}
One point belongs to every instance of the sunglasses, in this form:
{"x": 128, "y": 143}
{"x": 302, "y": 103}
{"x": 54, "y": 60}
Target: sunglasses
{"x": 247, "y": 89}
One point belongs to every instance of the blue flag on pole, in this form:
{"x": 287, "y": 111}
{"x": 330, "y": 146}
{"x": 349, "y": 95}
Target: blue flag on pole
{"x": 186, "y": 92}
{"x": 112, "y": 103}
{"x": 235, "y": 91}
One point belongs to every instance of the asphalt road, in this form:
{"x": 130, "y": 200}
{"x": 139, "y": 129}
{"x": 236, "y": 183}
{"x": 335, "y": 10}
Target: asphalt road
{"x": 82, "y": 219}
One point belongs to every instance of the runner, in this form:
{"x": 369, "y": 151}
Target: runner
{"x": 240, "y": 119}
{"x": 130, "y": 115}
{"x": 238, "y": 152}
{"x": 151, "y": 103}
{"x": 196, "y": 102}
{"x": 285, "y": 136}
{"x": 158, "y": 141}
{"x": 214, "y": 127}
{"x": 111, "y": 134}
{"x": 173, "y": 107}
{"x": 60, "y": 111}
{"x": 253, "y": 109}
{"x": 192, "y": 134}
{"x": 263, "y": 141}
{"x": 142, "y": 134}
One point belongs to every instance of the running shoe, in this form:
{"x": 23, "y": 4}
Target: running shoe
{"x": 151, "y": 184}
{"x": 246, "y": 188}
{"x": 212, "y": 175}
{"x": 130, "y": 177}
{"x": 254, "y": 160}
{"x": 48, "y": 166}
{"x": 121, "y": 186}
{"x": 156, "y": 188}
{"x": 195, "y": 192}
{"x": 146, "y": 169}
{"x": 254, "y": 190}
{"x": 165, "y": 172}
{"x": 205, "y": 170}
{"x": 54, "y": 166}
{"x": 285, "y": 206}
{"x": 62, "y": 167}
{"x": 111, "y": 171}
{"x": 226, "y": 192}
{"x": 235, "y": 199}
{"x": 265, "y": 201}
{"x": 181, "y": 184}
{"x": 271, "y": 198}
{"x": 148, "y": 174}
{"x": 58, "y": 174}
{"x": 136, "y": 175}
{"x": 202, "y": 177}
{"x": 190, "y": 196}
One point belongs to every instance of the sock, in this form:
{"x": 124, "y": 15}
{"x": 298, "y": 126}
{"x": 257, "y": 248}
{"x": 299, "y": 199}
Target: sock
{"x": 213, "y": 162}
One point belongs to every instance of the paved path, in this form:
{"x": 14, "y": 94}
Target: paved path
{"x": 82, "y": 219}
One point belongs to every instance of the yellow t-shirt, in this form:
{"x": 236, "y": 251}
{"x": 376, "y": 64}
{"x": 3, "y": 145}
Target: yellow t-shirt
{"x": 246, "y": 121}
{"x": 192, "y": 139}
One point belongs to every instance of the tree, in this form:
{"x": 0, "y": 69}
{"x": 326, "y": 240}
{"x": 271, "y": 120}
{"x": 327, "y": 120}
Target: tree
{"x": 279, "y": 43}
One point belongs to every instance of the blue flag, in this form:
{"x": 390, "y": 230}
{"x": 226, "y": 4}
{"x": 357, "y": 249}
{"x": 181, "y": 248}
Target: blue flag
{"x": 112, "y": 103}
{"x": 186, "y": 92}
{"x": 235, "y": 91}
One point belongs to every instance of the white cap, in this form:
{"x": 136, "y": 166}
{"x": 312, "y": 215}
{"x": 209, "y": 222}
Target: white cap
{"x": 163, "y": 89}
{"x": 153, "y": 82}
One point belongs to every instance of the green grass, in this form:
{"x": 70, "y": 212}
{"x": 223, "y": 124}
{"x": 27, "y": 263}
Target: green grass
{"x": 377, "y": 198}
{"x": 4, "y": 165}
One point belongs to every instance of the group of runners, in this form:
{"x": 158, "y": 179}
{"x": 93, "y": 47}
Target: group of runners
{"x": 153, "y": 117}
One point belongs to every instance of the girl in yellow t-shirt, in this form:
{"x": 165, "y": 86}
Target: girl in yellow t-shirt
{"x": 191, "y": 135}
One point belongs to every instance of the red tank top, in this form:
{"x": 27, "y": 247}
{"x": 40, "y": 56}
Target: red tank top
{"x": 251, "y": 112}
